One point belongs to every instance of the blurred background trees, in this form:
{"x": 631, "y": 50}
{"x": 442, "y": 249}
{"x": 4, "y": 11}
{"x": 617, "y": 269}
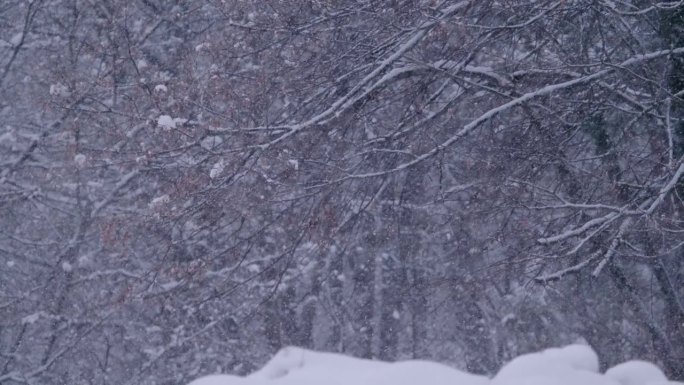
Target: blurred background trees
{"x": 187, "y": 186}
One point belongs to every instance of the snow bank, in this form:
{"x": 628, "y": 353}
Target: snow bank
{"x": 294, "y": 361}
{"x": 571, "y": 358}
{"x": 220, "y": 379}
{"x": 637, "y": 373}
{"x": 569, "y": 365}
{"x": 422, "y": 373}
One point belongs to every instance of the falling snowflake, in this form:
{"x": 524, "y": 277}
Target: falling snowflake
{"x": 217, "y": 169}
{"x": 80, "y": 160}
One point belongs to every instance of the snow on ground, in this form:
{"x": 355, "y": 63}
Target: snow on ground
{"x": 637, "y": 373}
{"x": 569, "y": 365}
{"x": 293, "y": 361}
{"x": 549, "y": 363}
{"x": 220, "y": 379}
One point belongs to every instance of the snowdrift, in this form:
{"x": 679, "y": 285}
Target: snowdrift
{"x": 570, "y": 365}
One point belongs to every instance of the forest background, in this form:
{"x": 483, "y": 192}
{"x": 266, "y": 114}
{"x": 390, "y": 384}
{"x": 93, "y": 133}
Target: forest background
{"x": 188, "y": 186}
